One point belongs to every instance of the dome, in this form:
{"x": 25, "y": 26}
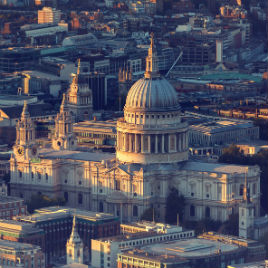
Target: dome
{"x": 154, "y": 94}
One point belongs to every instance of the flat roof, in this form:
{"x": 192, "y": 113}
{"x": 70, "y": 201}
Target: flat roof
{"x": 55, "y": 212}
{"x": 216, "y": 126}
{"x": 76, "y": 155}
{"x": 17, "y": 227}
{"x": 214, "y": 167}
{"x": 231, "y": 76}
{"x": 256, "y": 264}
{"x": 11, "y": 245}
{"x": 193, "y": 247}
{"x": 16, "y": 97}
{"x": 9, "y": 199}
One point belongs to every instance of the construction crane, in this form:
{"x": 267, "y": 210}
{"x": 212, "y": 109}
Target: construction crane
{"x": 175, "y": 62}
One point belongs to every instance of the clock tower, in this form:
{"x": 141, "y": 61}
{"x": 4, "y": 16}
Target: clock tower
{"x": 25, "y": 147}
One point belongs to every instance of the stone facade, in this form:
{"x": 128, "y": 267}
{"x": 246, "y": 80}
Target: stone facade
{"x": 151, "y": 158}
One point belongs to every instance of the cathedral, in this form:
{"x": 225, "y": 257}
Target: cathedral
{"x": 151, "y": 158}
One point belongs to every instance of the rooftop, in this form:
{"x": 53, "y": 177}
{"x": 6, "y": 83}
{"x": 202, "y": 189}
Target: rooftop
{"x": 231, "y": 76}
{"x": 11, "y": 245}
{"x": 218, "y": 126}
{"x": 9, "y": 199}
{"x": 76, "y": 155}
{"x": 213, "y": 167}
{"x": 99, "y": 126}
{"x": 18, "y": 228}
{"x": 194, "y": 247}
{"x": 256, "y": 264}
{"x": 50, "y": 213}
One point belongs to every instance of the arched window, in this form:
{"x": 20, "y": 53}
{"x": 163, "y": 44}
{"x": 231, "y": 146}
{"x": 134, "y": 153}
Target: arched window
{"x": 80, "y": 198}
{"x": 207, "y": 212}
{"x": 101, "y": 207}
{"x": 241, "y": 189}
{"x": 135, "y": 211}
{"x": 192, "y": 211}
{"x": 66, "y": 196}
{"x": 78, "y": 253}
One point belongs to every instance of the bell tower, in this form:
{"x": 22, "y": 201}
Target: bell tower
{"x": 79, "y": 97}
{"x": 25, "y": 147}
{"x": 74, "y": 246}
{"x": 64, "y": 138}
{"x": 246, "y": 214}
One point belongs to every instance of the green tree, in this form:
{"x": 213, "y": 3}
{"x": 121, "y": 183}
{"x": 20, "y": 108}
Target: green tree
{"x": 148, "y": 215}
{"x": 41, "y": 201}
{"x": 204, "y": 225}
{"x": 231, "y": 226}
{"x": 175, "y": 206}
{"x": 232, "y": 155}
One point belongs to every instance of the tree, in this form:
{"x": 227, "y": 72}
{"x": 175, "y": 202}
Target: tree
{"x": 41, "y": 201}
{"x": 148, "y": 215}
{"x": 204, "y": 225}
{"x": 232, "y": 155}
{"x": 175, "y": 206}
{"x": 231, "y": 226}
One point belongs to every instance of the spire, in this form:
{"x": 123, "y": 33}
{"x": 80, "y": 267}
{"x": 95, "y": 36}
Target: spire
{"x": 25, "y": 113}
{"x": 151, "y": 61}
{"x": 246, "y": 194}
{"x": 74, "y": 238}
{"x": 78, "y": 67}
{"x": 75, "y": 76}
{"x": 63, "y": 106}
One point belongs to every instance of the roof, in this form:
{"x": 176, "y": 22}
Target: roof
{"x": 193, "y": 247}
{"x": 9, "y": 199}
{"x": 213, "y": 127}
{"x": 11, "y": 245}
{"x": 231, "y": 76}
{"x": 76, "y": 155}
{"x": 50, "y": 213}
{"x": 152, "y": 94}
{"x": 40, "y": 109}
{"x": 17, "y": 228}
{"x": 213, "y": 167}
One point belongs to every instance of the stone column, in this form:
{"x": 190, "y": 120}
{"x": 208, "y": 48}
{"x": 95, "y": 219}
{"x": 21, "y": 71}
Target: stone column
{"x": 156, "y": 143}
{"x": 130, "y": 143}
{"x": 181, "y": 142}
{"x": 136, "y": 143}
{"x": 163, "y": 143}
{"x": 126, "y": 142}
{"x": 142, "y": 144}
{"x": 121, "y": 212}
{"x": 149, "y": 143}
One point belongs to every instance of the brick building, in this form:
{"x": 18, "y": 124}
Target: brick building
{"x": 57, "y": 225}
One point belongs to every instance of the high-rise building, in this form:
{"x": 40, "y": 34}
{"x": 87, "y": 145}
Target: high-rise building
{"x": 49, "y": 15}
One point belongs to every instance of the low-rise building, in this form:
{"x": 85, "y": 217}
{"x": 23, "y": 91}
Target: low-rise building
{"x": 208, "y": 250}
{"x": 256, "y": 264}
{"x": 11, "y": 206}
{"x": 15, "y": 254}
{"x": 222, "y": 132}
{"x": 57, "y": 225}
{"x": 104, "y": 251}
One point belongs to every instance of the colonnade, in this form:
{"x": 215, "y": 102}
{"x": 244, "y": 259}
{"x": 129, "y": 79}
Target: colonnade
{"x": 152, "y": 143}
